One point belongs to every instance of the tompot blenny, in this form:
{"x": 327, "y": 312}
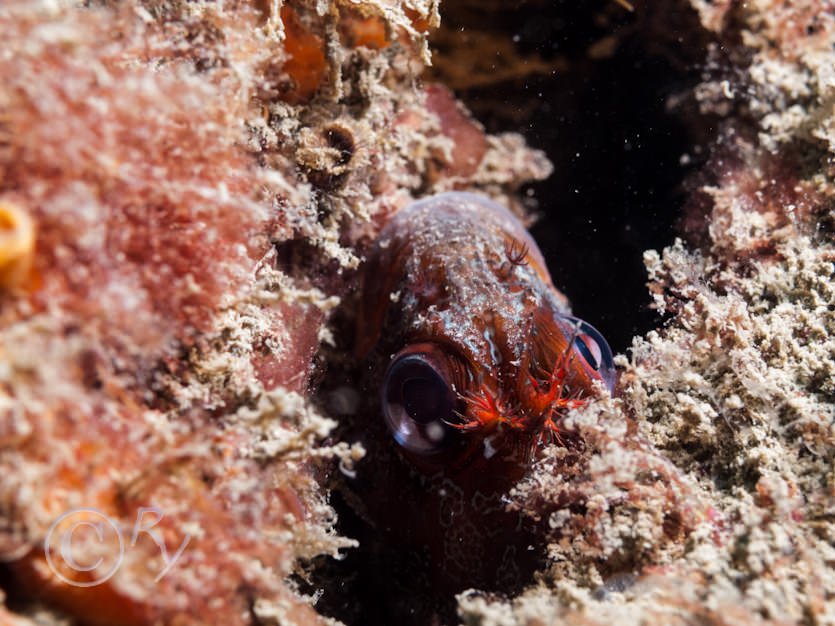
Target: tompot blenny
{"x": 470, "y": 359}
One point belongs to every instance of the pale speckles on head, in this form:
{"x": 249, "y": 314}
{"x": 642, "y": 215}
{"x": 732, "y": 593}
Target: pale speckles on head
{"x": 466, "y": 237}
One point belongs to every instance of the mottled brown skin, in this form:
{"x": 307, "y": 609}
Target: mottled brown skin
{"x": 459, "y": 275}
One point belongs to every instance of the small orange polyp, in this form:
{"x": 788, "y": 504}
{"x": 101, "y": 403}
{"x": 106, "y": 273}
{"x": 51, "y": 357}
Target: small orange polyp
{"x": 306, "y": 64}
{"x": 368, "y": 32}
{"x": 17, "y": 245}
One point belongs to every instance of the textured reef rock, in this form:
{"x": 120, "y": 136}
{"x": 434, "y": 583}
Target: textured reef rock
{"x": 186, "y": 190}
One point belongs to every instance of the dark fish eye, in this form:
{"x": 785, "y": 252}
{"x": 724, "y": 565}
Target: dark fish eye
{"x": 418, "y": 402}
{"x": 590, "y": 344}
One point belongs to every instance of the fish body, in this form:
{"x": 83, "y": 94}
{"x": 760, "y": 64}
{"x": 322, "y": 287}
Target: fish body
{"x": 472, "y": 360}
{"x": 456, "y": 277}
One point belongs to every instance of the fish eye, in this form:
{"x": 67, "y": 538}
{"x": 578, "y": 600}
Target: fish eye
{"x": 418, "y": 401}
{"x": 594, "y": 349}
{"x": 589, "y": 349}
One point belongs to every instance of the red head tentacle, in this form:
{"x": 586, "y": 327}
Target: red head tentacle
{"x": 516, "y": 252}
